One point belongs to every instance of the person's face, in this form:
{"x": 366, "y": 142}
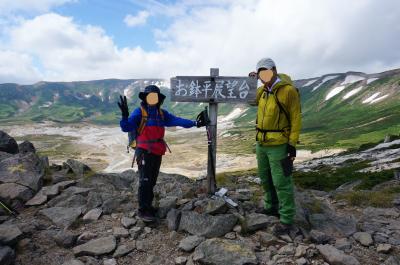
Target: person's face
{"x": 152, "y": 99}
{"x": 266, "y": 75}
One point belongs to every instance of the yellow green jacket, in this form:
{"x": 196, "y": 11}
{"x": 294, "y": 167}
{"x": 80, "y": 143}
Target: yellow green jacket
{"x": 269, "y": 116}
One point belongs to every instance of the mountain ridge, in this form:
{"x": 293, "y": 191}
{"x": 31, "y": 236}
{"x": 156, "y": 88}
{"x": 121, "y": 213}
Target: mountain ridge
{"x": 332, "y": 104}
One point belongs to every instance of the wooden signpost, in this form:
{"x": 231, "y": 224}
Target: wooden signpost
{"x": 213, "y": 89}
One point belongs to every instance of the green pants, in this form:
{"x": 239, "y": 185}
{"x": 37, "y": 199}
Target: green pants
{"x": 278, "y": 188}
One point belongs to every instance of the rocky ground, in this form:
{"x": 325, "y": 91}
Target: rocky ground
{"x": 67, "y": 214}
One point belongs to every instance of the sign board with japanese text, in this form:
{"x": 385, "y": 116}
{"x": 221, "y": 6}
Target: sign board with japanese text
{"x": 213, "y": 89}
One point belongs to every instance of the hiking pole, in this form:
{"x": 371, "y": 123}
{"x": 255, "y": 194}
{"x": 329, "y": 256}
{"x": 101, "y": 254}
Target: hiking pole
{"x": 8, "y": 209}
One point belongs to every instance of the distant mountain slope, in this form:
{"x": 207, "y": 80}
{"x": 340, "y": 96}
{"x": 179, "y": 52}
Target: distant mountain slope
{"x": 343, "y": 109}
{"x": 351, "y": 107}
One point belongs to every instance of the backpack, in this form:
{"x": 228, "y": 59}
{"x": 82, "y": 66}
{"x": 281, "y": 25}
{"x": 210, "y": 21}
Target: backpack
{"x": 281, "y": 109}
{"x": 132, "y": 136}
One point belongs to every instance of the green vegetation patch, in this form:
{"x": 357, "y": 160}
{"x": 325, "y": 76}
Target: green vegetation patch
{"x": 328, "y": 178}
{"x": 383, "y": 198}
{"x": 230, "y": 179}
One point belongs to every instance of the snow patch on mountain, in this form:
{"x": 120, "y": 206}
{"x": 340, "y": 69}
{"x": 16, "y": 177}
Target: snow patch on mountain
{"x": 334, "y": 92}
{"x": 46, "y": 105}
{"x": 350, "y": 79}
{"x": 370, "y": 80}
{"x": 352, "y": 92}
{"x": 310, "y": 82}
{"x": 126, "y": 91}
{"x": 101, "y": 96}
{"x": 383, "y": 145}
{"x": 368, "y": 100}
{"x": 378, "y": 99}
{"x": 326, "y": 79}
{"x": 236, "y": 113}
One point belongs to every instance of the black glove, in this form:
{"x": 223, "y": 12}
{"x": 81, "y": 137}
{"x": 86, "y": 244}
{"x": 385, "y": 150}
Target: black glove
{"x": 291, "y": 150}
{"x": 202, "y": 119}
{"x": 123, "y": 105}
{"x": 253, "y": 75}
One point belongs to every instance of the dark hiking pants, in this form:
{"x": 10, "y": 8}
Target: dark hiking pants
{"x": 149, "y": 167}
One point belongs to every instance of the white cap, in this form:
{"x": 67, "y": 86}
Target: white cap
{"x": 267, "y": 63}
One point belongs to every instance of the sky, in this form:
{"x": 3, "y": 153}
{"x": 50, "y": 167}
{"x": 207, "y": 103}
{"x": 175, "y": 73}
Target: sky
{"x": 71, "y": 40}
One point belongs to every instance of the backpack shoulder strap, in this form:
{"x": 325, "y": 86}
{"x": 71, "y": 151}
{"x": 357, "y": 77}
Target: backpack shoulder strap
{"x": 161, "y": 113}
{"x": 280, "y": 106}
{"x": 143, "y": 121}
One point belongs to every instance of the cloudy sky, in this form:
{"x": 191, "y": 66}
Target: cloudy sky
{"x": 68, "y": 40}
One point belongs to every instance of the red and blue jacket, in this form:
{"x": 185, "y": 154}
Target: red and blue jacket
{"x": 152, "y": 136}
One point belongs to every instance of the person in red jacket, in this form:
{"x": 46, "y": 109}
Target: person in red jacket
{"x": 150, "y": 141}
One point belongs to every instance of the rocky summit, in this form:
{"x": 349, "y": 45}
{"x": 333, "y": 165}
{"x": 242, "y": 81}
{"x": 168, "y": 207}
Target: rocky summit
{"x": 70, "y": 215}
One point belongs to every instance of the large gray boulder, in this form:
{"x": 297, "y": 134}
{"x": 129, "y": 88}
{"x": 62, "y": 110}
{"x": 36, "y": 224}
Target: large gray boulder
{"x": 110, "y": 182}
{"x": 334, "y": 225}
{"x": 313, "y": 212}
{"x": 111, "y": 204}
{"x": 392, "y": 260}
{"x": 26, "y": 170}
{"x": 217, "y": 206}
{"x": 62, "y": 216}
{"x": 173, "y": 219}
{"x": 26, "y": 147}
{"x": 77, "y": 167}
{"x": 96, "y": 247}
{"x": 319, "y": 237}
{"x": 207, "y": 225}
{"x": 7, "y": 255}
{"x": 189, "y": 243}
{"x": 9, "y": 234}
{"x": 124, "y": 249}
{"x": 8, "y": 144}
{"x": 336, "y": 257}
{"x": 218, "y": 251}
{"x": 372, "y": 212}
{"x": 4, "y": 155}
{"x": 364, "y": 238}
{"x": 65, "y": 238}
{"x": 94, "y": 200}
{"x": 165, "y": 205}
{"x": 256, "y": 221}
{"x": 49, "y": 192}
{"x": 71, "y": 197}
{"x": 73, "y": 201}
{"x": 93, "y": 215}
{"x": 12, "y": 191}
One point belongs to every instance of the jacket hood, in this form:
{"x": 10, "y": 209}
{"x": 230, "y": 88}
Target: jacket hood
{"x": 285, "y": 80}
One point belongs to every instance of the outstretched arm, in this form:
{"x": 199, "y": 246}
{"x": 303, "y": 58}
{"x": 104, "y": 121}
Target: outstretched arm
{"x": 131, "y": 124}
{"x": 171, "y": 120}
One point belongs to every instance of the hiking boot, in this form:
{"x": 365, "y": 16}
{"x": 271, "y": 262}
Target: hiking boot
{"x": 281, "y": 229}
{"x": 146, "y": 216}
{"x": 271, "y": 212}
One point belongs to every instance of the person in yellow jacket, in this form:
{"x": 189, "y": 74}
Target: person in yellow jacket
{"x": 277, "y": 133}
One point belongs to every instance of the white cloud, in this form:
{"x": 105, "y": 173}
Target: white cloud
{"x": 139, "y": 19}
{"x": 306, "y": 39}
{"x": 30, "y": 6}
{"x": 17, "y": 67}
